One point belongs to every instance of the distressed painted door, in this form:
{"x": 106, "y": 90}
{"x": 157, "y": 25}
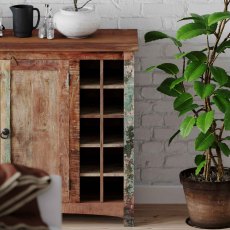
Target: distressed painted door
{"x": 37, "y": 103}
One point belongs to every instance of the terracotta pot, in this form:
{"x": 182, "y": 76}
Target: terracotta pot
{"x": 208, "y": 202}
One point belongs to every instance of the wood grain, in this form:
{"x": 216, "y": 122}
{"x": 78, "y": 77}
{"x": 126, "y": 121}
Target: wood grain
{"x": 5, "y": 149}
{"x": 40, "y": 119}
{"x": 101, "y": 131}
{"x": 95, "y": 208}
{"x": 74, "y": 132}
{"x": 102, "y": 40}
{"x": 59, "y": 55}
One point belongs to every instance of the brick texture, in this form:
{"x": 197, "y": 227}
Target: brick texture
{"x": 156, "y": 163}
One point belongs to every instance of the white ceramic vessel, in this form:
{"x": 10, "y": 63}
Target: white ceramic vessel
{"x": 76, "y": 24}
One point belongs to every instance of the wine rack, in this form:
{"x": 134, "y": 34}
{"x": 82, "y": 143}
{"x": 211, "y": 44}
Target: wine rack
{"x": 102, "y": 131}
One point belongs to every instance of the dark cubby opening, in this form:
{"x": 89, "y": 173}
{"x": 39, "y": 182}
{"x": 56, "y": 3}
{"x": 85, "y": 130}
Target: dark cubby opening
{"x": 90, "y": 189}
{"x": 113, "y": 72}
{"x": 113, "y": 130}
{"x": 90, "y": 131}
{"x": 89, "y": 72}
{"x": 113, "y": 101}
{"x": 90, "y": 101}
{"x": 113, "y": 160}
{"x": 113, "y": 188}
{"x": 90, "y": 160}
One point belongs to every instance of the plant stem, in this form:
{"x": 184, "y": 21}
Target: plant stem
{"x": 75, "y": 5}
{"x": 84, "y": 4}
{"x": 211, "y": 59}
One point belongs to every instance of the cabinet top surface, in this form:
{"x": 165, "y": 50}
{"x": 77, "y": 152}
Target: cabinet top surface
{"x": 108, "y": 40}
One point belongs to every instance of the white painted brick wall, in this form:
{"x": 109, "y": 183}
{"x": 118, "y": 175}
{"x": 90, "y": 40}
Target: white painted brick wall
{"x": 156, "y": 163}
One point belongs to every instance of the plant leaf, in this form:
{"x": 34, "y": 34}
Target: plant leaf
{"x": 173, "y": 136}
{"x": 221, "y": 103}
{"x": 223, "y": 93}
{"x": 197, "y": 56}
{"x": 157, "y": 35}
{"x": 227, "y": 138}
{"x": 200, "y": 167}
{"x": 223, "y": 46}
{"x": 166, "y": 67}
{"x": 204, "y": 141}
{"x": 204, "y": 121}
{"x": 219, "y": 75}
{"x": 187, "y": 126}
{"x": 176, "y": 82}
{"x": 199, "y": 158}
{"x": 227, "y": 120}
{"x": 183, "y": 101}
{"x": 194, "y": 70}
{"x": 165, "y": 88}
{"x": 188, "y": 109}
{"x": 191, "y": 30}
{"x": 217, "y": 16}
{"x": 225, "y": 149}
{"x": 203, "y": 90}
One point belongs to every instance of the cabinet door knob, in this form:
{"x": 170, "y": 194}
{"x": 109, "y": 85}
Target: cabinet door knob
{"x": 5, "y": 133}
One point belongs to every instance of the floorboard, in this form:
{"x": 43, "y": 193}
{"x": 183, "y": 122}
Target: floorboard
{"x": 147, "y": 217}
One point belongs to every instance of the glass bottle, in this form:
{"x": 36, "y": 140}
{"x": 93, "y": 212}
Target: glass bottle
{"x": 50, "y": 25}
{"x": 42, "y": 32}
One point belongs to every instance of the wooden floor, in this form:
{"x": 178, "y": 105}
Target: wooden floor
{"x": 160, "y": 217}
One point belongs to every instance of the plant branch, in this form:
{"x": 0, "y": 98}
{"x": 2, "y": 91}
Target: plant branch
{"x": 84, "y": 4}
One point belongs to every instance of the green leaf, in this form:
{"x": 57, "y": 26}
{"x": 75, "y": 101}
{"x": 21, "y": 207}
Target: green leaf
{"x": 183, "y": 101}
{"x": 199, "y": 158}
{"x": 223, "y": 93}
{"x": 188, "y": 109}
{"x": 227, "y": 138}
{"x": 196, "y": 56}
{"x": 176, "y": 82}
{"x": 166, "y": 67}
{"x": 204, "y": 121}
{"x": 227, "y": 120}
{"x": 223, "y": 46}
{"x": 219, "y": 75}
{"x": 225, "y": 149}
{"x": 187, "y": 126}
{"x": 173, "y": 136}
{"x": 204, "y": 141}
{"x": 218, "y": 16}
{"x": 200, "y": 167}
{"x": 165, "y": 88}
{"x": 203, "y": 90}
{"x": 221, "y": 103}
{"x": 194, "y": 70}
{"x": 157, "y": 35}
{"x": 191, "y": 30}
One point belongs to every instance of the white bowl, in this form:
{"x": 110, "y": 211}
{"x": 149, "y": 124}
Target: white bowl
{"x": 76, "y": 24}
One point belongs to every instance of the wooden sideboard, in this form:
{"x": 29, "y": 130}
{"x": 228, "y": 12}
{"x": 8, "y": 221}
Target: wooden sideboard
{"x": 69, "y": 106}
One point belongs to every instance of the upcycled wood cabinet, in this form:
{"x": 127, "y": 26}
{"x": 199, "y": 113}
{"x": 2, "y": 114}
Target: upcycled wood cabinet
{"x": 69, "y": 107}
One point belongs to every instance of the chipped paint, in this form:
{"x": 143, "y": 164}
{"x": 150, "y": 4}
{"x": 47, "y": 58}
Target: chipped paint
{"x": 129, "y": 140}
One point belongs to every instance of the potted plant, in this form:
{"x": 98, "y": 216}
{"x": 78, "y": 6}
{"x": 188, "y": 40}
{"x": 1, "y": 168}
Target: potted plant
{"x": 77, "y": 21}
{"x": 206, "y": 108}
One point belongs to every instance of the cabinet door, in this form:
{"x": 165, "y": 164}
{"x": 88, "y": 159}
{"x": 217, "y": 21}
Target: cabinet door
{"x": 39, "y": 110}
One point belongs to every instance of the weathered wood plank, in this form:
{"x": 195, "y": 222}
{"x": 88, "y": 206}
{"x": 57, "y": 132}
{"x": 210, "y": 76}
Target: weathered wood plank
{"x": 40, "y": 119}
{"x": 103, "y": 40}
{"x": 95, "y": 208}
{"x": 47, "y": 55}
{"x": 129, "y": 139}
{"x": 74, "y": 135}
{"x": 101, "y": 131}
{"x": 5, "y": 150}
